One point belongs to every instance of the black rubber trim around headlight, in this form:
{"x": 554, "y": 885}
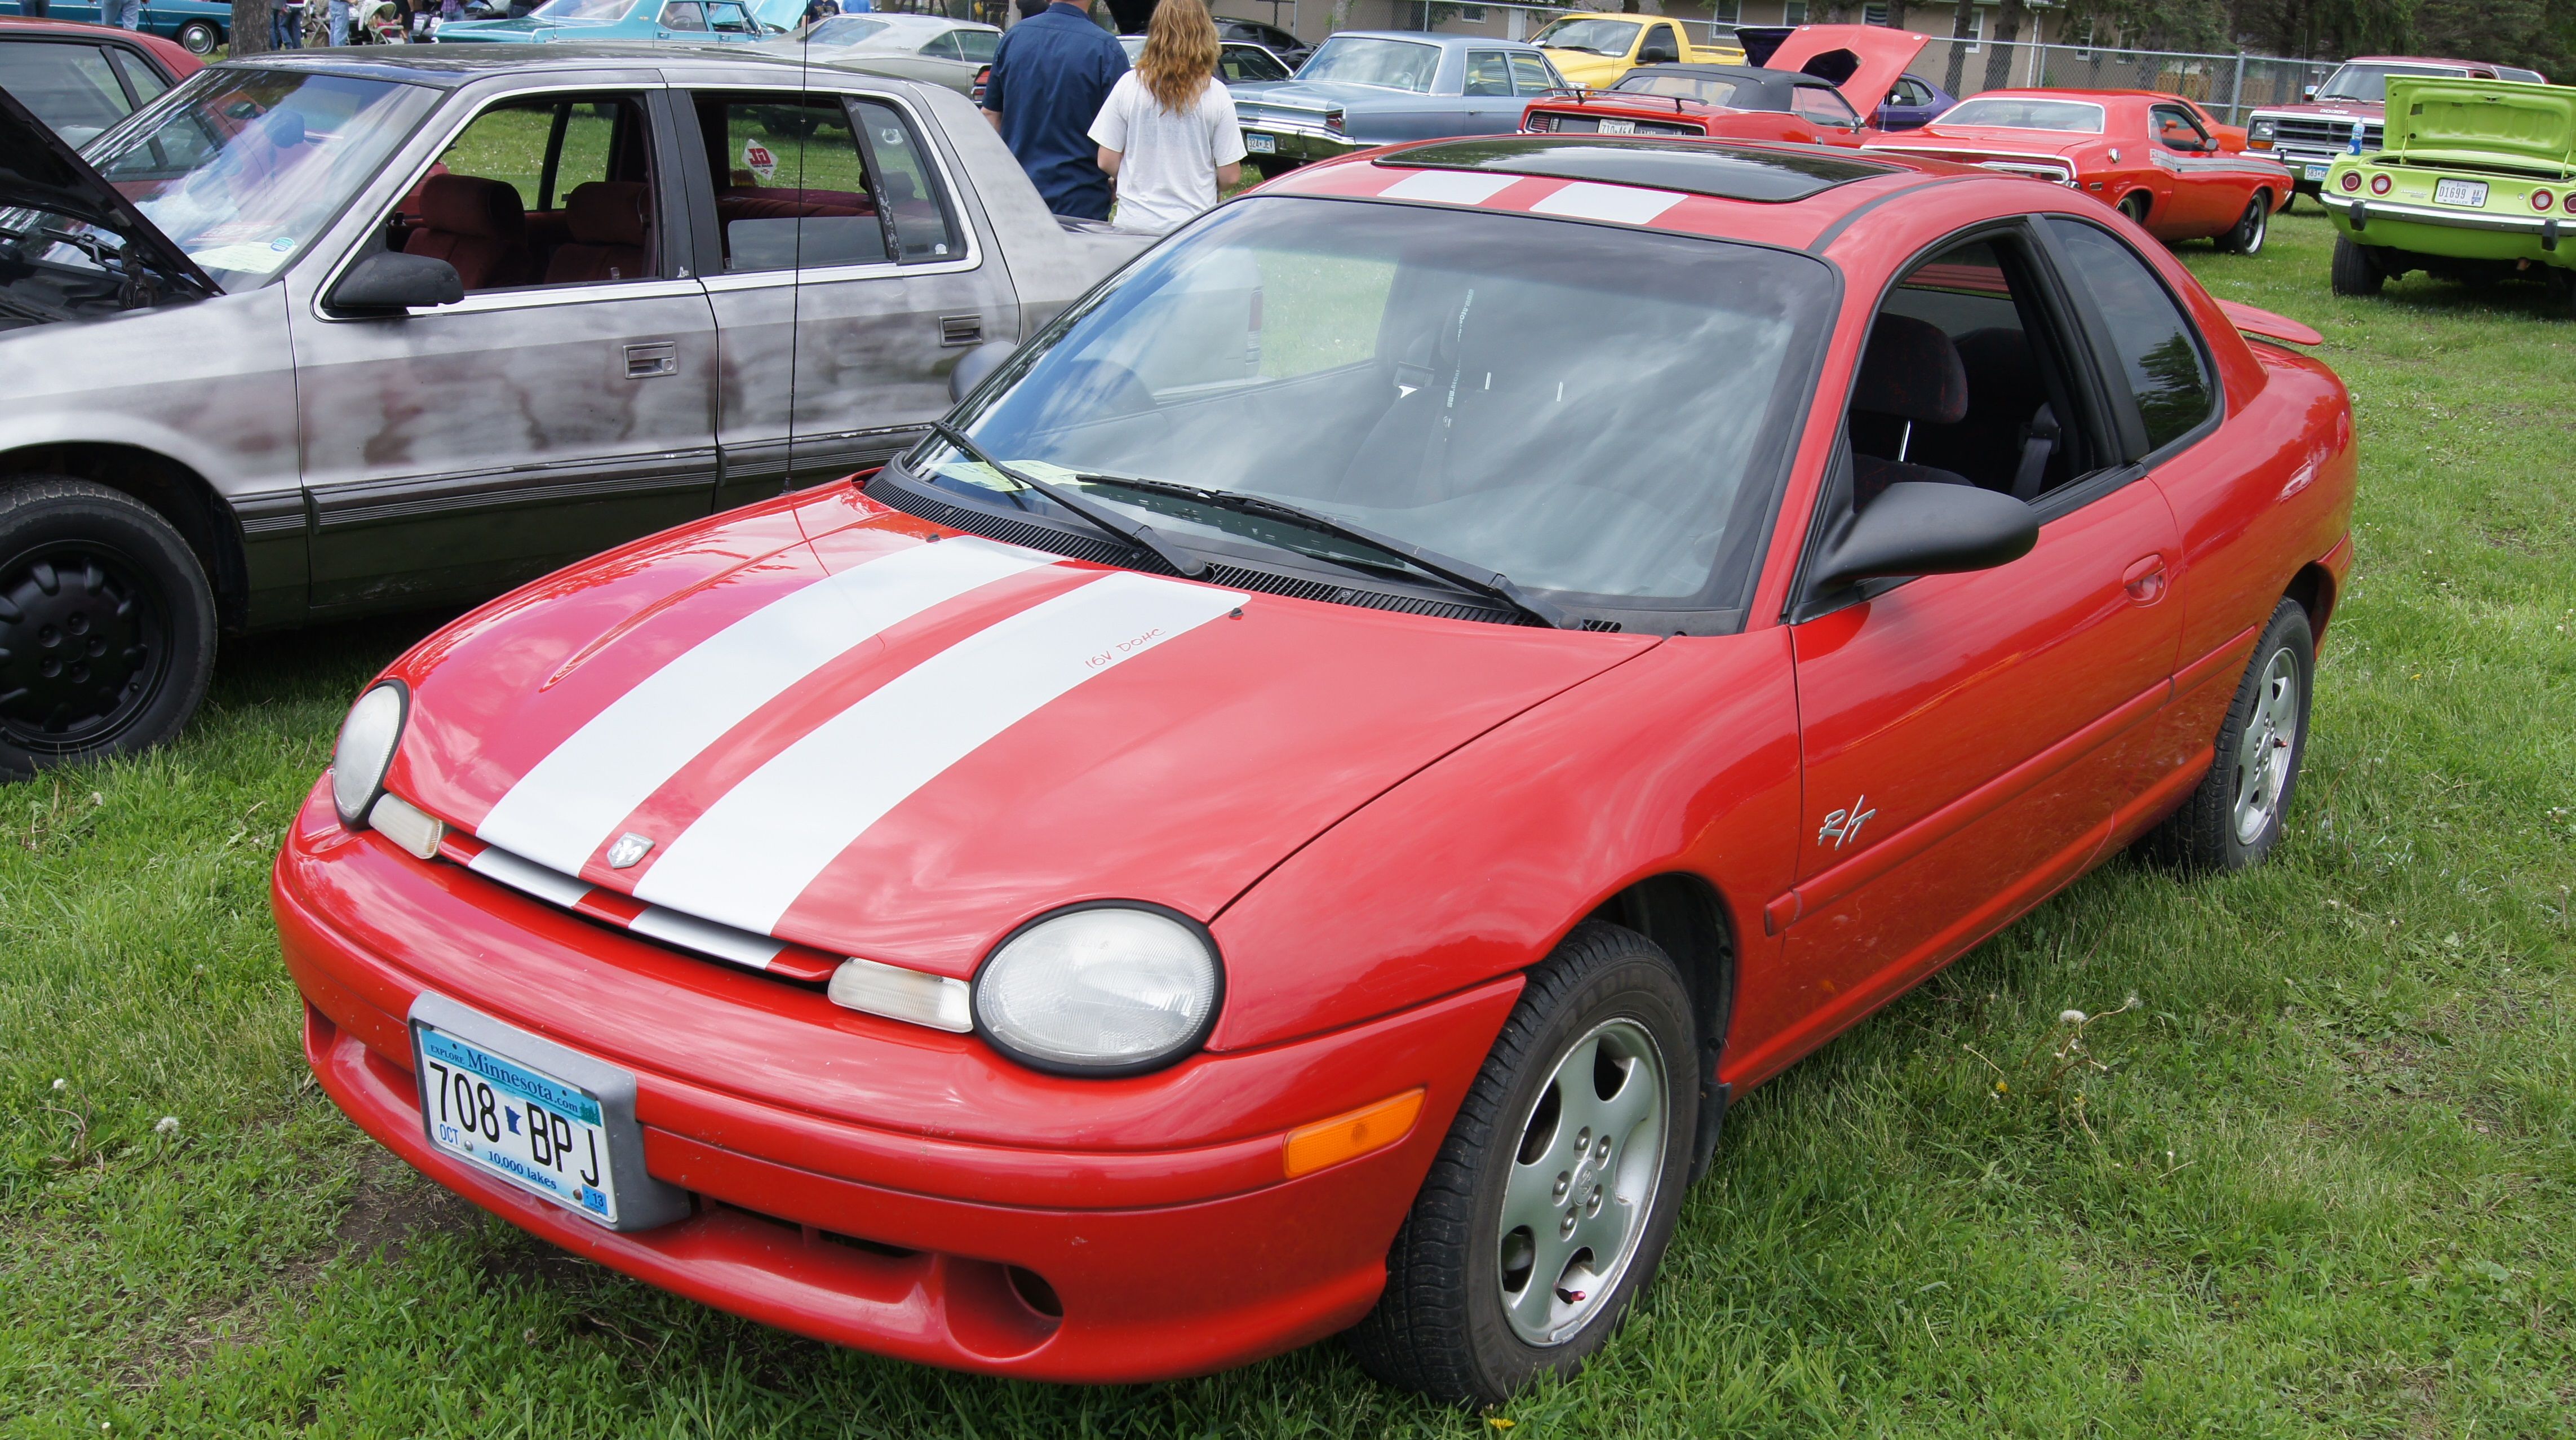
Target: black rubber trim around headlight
{"x": 1196, "y": 1042}
{"x": 402, "y": 726}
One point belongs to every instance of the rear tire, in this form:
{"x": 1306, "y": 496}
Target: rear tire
{"x": 2234, "y": 818}
{"x": 2251, "y": 227}
{"x": 199, "y": 38}
{"x": 2357, "y": 270}
{"x": 1550, "y": 1203}
{"x": 107, "y": 627}
{"x": 2134, "y": 205}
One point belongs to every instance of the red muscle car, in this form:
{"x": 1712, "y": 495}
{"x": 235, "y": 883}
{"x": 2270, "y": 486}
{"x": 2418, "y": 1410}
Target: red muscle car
{"x": 1252, "y": 832}
{"x": 2148, "y": 155}
{"x": 1812, "y": 85}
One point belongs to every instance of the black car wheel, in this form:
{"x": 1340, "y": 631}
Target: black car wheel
{"x": 2134, "y": 205}
{"x": 199, "y": 37}
{"x": 2235, "y": 816}
{"x": 2251, "y": 227}
{"x": 2357, "y": 270}
{"x": 107, "y": 628}
{"x": 1556, "y": 1191}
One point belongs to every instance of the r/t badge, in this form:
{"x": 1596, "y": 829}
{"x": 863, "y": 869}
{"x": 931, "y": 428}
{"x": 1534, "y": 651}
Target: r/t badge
{"x": 1845, "y": 825}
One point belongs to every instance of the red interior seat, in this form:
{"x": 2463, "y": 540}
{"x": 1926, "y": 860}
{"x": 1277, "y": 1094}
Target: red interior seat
{"x": 610, "y": 231}
{"x": 476, "y": 225}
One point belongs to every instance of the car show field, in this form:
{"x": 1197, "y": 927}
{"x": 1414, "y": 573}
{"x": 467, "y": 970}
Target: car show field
{"x": 2285, "y": 1152}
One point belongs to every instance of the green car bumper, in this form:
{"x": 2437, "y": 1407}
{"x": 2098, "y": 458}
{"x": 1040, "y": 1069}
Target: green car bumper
{"x": 2457, "y": 214}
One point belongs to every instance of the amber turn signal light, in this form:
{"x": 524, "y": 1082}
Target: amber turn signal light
{"x": 1352, "y": 1134}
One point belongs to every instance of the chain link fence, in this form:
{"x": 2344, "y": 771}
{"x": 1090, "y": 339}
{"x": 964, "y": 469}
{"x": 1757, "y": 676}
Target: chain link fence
{"x": 2229, "y": 86}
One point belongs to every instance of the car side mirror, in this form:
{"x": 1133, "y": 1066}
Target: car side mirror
{"x": 974, "y": 365}
{"x": 390, "y": 282}
{"x": 2307, "y": 94}
{"x": 1919, "y": 528}
{"x": 1657, "y": 55}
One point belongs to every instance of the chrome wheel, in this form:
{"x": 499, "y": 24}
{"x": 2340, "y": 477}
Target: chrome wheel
{"x": 2265, "y": 751}
{"x": 2251, "y": 229}
{"x": 1583, "y": 1182}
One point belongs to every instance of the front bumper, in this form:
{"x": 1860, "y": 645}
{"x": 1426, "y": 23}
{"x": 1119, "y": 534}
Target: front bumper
{"x": 1154, "y": 1209}
{"x": 2454, "y": 233}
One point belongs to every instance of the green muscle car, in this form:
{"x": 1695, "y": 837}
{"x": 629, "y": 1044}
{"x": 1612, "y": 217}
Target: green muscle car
{"x": 2477, "y": 180}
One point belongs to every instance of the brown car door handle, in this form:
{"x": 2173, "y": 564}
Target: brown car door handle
{"x": 2145, "y": 580}
{"x": 658, "y": 357}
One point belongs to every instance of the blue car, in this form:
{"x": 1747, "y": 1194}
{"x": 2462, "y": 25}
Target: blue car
{"x": 678, "y": 22}
{"x": 1375, "y": 87}
{"x": 200, "y": 25}
{"x": 1912, "y": 103}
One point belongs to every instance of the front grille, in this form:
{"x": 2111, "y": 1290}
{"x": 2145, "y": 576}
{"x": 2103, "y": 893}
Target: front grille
{"x": 2308, "y": 132}
{"x": 1101, "y": 551}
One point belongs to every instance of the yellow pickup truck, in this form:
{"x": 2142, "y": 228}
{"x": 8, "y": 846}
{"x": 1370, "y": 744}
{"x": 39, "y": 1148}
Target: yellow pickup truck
{"x": 1593, "y": 49}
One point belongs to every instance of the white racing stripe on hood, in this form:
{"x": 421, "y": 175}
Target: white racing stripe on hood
{"x": 754, "y": 851}
{"x": 566, "y": 806}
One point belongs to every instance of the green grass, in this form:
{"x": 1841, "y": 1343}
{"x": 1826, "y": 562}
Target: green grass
{"x": 2323, "y": 1188}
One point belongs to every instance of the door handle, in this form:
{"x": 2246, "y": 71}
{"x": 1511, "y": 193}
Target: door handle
{"x": 2145, "y": 580}
{"x": 656, "y": 357}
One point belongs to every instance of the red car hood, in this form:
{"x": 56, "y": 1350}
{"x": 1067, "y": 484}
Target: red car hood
{"x": 1864, "y": 61}
{"x": 877, "y": 745}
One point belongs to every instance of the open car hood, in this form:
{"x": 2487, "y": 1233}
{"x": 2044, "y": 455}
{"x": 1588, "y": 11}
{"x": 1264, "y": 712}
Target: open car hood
{"x": 40, "y": 171}
{"x": 873, "y": 745}
{"x": 2433, "y": 119}
{"x": 1863, "y": 61}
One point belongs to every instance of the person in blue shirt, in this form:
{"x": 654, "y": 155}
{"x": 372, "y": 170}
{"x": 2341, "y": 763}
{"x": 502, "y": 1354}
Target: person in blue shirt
{"x": 1050, "y": 77}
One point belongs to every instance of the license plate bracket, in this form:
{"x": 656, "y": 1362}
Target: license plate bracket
{"x": 563, "y": 1124}
{"x": 2469, "y": 193}
{"x": 1613, "y": 126}
{"x": 1261, "y": 144}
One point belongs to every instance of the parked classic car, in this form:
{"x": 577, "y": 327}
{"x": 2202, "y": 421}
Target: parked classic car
{"x": 349, "y": 330}
{"x": 678, "y": 22}
{"x": 1803, "y": 90}
{"x": 1595, "y": 48}
{"x": 197, "y": 25}
{"x": 929, "y": 48}
{"x": 1291, "y": 51}
{"x": 2343, "y": 115}
{"x": 1304, "y": 803}
{"x": 81, "y": 79}
{"x": 1371, "y": 87}
{"x": 2145, "y": 154}
{"x": 1911, "y": 103}
{"x": 1238, "y": 62}
{"x": 2478, "y": 182}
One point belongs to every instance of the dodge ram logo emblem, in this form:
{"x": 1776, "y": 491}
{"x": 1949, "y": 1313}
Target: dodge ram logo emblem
{"x": 629, "y": 849}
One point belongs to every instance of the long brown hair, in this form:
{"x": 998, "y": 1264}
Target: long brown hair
{"x": 1179, "y": 59}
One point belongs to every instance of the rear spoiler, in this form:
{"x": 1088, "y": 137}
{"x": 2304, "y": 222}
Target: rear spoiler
{"x": 2264, "y": 325}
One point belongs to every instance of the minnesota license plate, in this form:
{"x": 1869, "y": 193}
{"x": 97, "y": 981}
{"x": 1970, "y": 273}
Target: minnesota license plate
{"x": 510, "y": 1119}
{"x": 1261, "y": 144}
{"x": 2318, "y": 172}
{"x": 1618, "y": 127}
{"x": 2460, "y": 192}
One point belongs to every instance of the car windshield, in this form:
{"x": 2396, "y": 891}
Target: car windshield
{"x": 1392, "y": 64}
{"x": 847, "y": 30}
{"x": 1600, "y": 37}
{"x": 585, "y": 9}
{"x": 2016, "y": 113}
{"x": 243, "y": 168}
{"x": 2369, "y": 83}
{"x": 1492, "y": 387}
{"x": 1704, "y": 89}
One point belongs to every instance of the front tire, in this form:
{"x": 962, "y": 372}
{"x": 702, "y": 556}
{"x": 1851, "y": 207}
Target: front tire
{"x": 107, "y": 627}
{"x": 1554, "y": 1195}
{"x": 2357, "y": 270}
{"x": 2234, "y": 818}
{"x": 2251, "y": 227}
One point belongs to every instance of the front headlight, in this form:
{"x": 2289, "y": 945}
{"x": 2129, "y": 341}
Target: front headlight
{"x": 367, "y": 742}
{"x": 1100, "y": 989}
{"x": 2261, "y": 130}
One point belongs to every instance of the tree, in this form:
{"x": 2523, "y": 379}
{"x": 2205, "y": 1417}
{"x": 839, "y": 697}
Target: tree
{"x": 1999, "y": 56}
{"x": 250, "y": 28}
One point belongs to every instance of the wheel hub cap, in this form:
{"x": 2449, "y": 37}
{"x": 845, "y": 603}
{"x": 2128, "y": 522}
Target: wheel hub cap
{"x": 75, "y": 648}
{"x": 2264, "y": 751}
{"x": 1582, "y": 1182}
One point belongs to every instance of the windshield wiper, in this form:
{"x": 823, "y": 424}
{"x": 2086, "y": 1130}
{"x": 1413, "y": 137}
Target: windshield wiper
{"x": 1492, "y": 584}
{"x": 1134, "y": 537}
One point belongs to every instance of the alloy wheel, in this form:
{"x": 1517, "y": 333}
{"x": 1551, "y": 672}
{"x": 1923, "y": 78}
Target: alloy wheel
{"x": 1583, "y": 1182}
{"x": 2266, "y": 749}
{"x": 82, "y": 646}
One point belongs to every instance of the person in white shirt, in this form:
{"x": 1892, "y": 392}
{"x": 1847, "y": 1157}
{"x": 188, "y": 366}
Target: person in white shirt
{"x": 1167, "y": 133}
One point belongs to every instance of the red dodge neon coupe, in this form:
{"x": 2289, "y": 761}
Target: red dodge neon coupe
{"x": 2151, "y": 156}
{"x": 1298, "y": 810}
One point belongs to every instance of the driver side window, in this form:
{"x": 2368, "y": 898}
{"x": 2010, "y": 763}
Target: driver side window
{"x": 552, "y": 190}
{"x": 687, "y": 15}
{"x": 2176, "y": 130}
{"x": 1489, "y": 72}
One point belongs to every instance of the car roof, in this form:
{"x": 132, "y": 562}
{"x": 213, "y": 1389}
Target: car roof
{"x": 1445, "y": 42}
{"x": 448, "y": 66}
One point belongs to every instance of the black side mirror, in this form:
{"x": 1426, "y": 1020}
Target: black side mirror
{"x": 390, "y": 282}
{"x": 974, "y": 365}
{"x": 1915, "y": 528}
{"x": 1657, "y": 55}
